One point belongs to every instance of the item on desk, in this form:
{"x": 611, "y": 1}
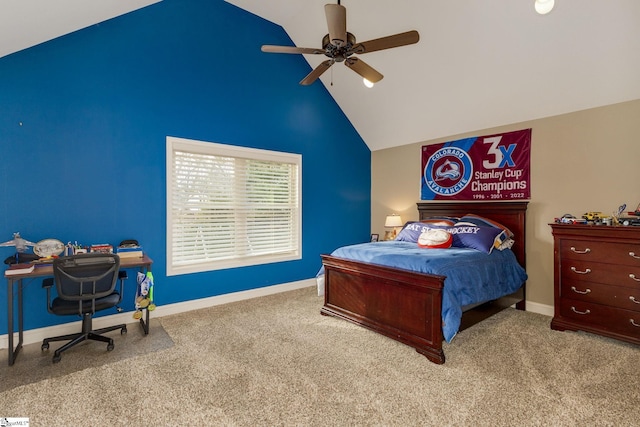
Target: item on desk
{"x": 130, "y": 251}
{"x": 15, "y": 269}
{"x": 45, "y": 260}
{"x": 48, "y": 248}
{"x": 129, "y": 248}
{"x": 103, "y": 248}
{"x": 17, "y": 241}
{"x": 20, "y": 258}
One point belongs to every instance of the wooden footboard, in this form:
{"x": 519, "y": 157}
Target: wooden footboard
{"x": 405, "y": 306}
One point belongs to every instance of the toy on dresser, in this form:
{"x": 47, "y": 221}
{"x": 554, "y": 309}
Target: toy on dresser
{"x": 631, "y": 218}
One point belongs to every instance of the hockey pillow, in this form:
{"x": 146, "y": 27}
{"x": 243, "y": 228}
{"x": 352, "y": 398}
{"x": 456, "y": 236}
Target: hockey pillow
{"x": 434, "y": 238}
{"x": 503, "y": 240}
{"x": 413, "y": 229}
{"x": 469, "y": 235}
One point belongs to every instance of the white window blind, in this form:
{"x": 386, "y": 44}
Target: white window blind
{"x": 230, "y": 206}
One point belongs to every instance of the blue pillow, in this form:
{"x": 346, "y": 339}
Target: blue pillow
{"x": 502, "y": 240}
{"x": 470, "y": 235}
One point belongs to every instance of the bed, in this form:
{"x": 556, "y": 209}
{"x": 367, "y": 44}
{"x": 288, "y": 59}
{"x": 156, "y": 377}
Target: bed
{"x": 407, "y": 306}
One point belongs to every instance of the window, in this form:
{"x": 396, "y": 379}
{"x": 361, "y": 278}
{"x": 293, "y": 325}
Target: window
{"x": 230, "y": 206}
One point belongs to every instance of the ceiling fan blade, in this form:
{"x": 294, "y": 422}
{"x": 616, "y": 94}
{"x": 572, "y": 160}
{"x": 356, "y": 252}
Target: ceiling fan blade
{"x": 290, "y": 49}
{"x": 337, "y": 23}
{"x": 396, "y": 40}
{"x": 317, "y": 72}
{"x": 362, "y": 68}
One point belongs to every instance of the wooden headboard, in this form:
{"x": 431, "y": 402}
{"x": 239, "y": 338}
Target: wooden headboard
{"x": 509, "y": 214}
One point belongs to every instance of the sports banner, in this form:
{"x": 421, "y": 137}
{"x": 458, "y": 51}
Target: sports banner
{"x": 492, "y": 167}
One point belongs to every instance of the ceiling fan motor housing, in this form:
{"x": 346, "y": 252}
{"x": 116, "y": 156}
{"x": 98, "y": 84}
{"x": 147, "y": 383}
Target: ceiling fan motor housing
{"x": 339, "y": 53}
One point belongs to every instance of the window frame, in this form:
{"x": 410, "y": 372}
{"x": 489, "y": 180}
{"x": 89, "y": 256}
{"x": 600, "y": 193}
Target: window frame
{"x": 216, "y": 149}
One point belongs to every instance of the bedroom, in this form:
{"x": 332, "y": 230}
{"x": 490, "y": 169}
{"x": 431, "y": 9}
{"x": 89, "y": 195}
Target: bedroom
{"x": 109, "y": 95}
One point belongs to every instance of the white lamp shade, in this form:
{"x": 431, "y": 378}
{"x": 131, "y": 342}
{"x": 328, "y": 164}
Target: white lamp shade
{"x": 393, "y": 221}
{"x": 544, "y": 6}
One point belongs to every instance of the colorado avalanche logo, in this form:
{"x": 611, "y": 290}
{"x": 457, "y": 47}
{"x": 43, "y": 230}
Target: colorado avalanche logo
{"x": 448, "y": 171}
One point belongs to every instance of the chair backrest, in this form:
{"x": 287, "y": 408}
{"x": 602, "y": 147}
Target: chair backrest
{"x": 86, "y": 276}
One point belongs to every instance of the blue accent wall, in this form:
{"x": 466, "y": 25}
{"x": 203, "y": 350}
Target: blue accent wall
{"x": 83, "y": 126}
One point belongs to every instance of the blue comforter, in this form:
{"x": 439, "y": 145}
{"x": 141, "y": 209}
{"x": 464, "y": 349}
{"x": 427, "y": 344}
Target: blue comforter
{"x": 472, "y": 276}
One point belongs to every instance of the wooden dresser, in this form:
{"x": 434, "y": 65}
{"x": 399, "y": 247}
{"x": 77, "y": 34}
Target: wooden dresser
{"x": 597, "y": 280}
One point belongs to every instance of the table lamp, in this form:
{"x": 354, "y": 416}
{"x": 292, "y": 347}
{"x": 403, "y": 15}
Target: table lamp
{"x": 393, "y": 221}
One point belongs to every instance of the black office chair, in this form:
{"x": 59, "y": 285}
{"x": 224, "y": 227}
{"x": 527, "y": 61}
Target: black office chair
{"x": 85, "y": 283}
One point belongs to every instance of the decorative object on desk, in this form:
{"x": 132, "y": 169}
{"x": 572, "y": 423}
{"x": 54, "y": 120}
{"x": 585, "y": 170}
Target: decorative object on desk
{"x": 129, "y": 249}
{"x": 16, "y": 269}
{"x": 375, "y": 237}
{"x": 102, "y": 248}
{"x": 144, "y": 294}
{"x": 392, "y": 221}
{"x": 17, "y": 241}
{"x": 20, "y": 258}
{"x": 48, "y": 248}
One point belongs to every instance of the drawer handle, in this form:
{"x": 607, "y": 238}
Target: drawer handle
{"x": 573, "y": 288}
{"x": 586, "y": 251}
{"x": 632, "y": 298}
{"x": 633, "y": 255}
{"x": 633, "y": 276}
{"x": 634, "y": 323}
{"x": 581, "y": 312}
{"x": 587, "y": 271}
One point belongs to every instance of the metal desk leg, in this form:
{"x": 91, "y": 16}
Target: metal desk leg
{"x": 145, "y": 322}
{"x": 13, "y": 353}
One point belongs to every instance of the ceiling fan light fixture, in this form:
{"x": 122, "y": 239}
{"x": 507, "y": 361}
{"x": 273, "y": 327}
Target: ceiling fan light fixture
{"x": 544, "y": 6}
{"x": 367, "y": 83}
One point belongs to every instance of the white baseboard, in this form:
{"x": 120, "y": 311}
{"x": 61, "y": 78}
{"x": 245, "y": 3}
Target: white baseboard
{"x": 37, "y": 335}
{"x": 535, "y": 307}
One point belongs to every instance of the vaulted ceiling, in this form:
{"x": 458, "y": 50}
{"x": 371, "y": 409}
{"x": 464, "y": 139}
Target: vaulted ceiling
{"x": 478, "y": 64}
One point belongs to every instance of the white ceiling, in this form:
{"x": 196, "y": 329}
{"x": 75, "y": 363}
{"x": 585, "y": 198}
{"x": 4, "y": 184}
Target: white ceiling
{"x": 26, "y": 23}
{"x": 479, "y": 64}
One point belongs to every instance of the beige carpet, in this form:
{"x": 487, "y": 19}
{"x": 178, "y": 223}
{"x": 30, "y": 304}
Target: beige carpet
{"x": 34, "y": 365}
{"x": 276, "y": 361}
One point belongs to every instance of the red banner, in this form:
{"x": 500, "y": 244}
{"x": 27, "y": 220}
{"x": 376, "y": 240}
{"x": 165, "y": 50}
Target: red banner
{"x": 491, "y": 167}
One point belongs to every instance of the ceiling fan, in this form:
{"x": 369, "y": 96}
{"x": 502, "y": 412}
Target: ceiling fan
{"x": 339, "y": 45}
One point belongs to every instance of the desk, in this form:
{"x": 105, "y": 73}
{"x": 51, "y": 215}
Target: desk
{"x": 143, "y": 264}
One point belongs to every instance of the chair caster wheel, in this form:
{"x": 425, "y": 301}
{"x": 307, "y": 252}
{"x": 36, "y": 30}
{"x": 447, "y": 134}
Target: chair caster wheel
{"x": 110, "y": 346}
{"x": 56, "y": 358}
{"x": 123, "y": 331}
{"x": 44, "y": 346}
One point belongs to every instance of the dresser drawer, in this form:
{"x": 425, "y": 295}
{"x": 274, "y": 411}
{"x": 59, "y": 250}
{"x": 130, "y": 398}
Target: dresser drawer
{"x": 591, "y": 271}
{"x": 614, "y": 296}
{"x": 602, "y": 317}
{"x": 609, "y": 252}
